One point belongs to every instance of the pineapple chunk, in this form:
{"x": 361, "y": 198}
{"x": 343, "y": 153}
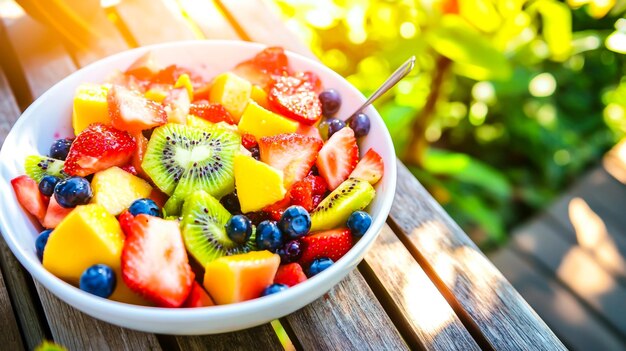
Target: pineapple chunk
{"x": 116, "y": 189}
{"x": 258, "y": 184}
{"x": 260, "y": 122}
{"x": 232, "y": 92}
{"x": 259, "y": 96}
{"x": 90, "y": 106}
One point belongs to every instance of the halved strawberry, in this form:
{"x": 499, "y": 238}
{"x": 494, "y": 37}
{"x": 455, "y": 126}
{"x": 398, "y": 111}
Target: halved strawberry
{"x": 295, "y": 98}
{"x": 98, "y": 147}
{"x": 310, "y": 131}
{"x": 125, "y": 219}
{"x": 290, "y": 274}
{"x": 154, "y": 261}
{"x": 198, "y": 297}
{"x": 144, "y": 67}
{"x": 312, "y": 78}
{"x": 212, "y": 112}
{"x": 170, "y": 74}
{"x": 275, "y": 210}
{"x": 28, "y": 195}
{"x": 133, "y": 112}
{"x": 260, "y": 69}
{"x": 54, "y": 214}
{"x": 338, "y": 157}
{"x": 331, "y": 243}
{"x": 308, "y": 192}
{"x": 294, "y": 154}
{"x": 370, "y": 168}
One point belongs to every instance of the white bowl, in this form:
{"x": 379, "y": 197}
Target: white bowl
{"x": 49, "y": 118}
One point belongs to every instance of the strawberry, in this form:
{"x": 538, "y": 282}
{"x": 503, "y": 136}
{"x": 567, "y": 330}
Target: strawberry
{"x": 158, "y": 196}
{"x": 198, "y": 297}
{"x": 248, "y": 141}
{"x": 312, "y": 78}
{"x": 295, "y": 98}
{"x": 212, "y": 112}
{"x": 154, "y": 261}
{"x": 126, "y": 219}
{"x": 202, "y": 91}
{"x": 275, "y": 210}
{"x": 294, "y": 154}
{"x": 144, "y": 67}
{"x": 28, "y": 195}
{"x": 290, "y": 274}
{"x": 311, "y": 131}
{"x": 370, "y": 168}
{"x": 260, "y": 69}
{"x": 131, "y": 111}
{"x": 177, "y": 105}
{"x": 130, "y": 169}
{"x": 140, "y": 151}
{"x": 98, "y": 147}
{"x": 331, "y": 243}
{"x": 170, "y": 74}
{"x": 54, "y": 214}
{"x": 308, "y": 192}
{"x": 338, "y": 157}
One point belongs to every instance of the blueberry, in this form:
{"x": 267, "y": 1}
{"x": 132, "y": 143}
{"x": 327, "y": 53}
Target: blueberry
{"x": 256, "y": 153}
{"x": 72, "y": 192}
{"x": 359, "y": 222}
{"x": 231, "y": 203}
{"x": 331, "y": 102}
{"x": 239, "y": 229}
{"x": 295, "y": 222}
{"x": 290, "y": 252}
{"x": 41, "y": 241}
{"x": 319, "y": 265}
{"x": 334, "y": 125}
{"x": 99, "y": 280}
{"x": 268, "y": 236}
{"x": 360, "y": 124}
{"x": 273, "y": 289}
{"x": 145, "y": 206}
{"x": 47, "y": 184}
{"x": 60, "y": 148}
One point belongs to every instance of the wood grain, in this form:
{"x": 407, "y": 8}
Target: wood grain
{"x": 478, "y": 292}
{"x": 573, "y": 322}
{"x": 10, "y": 337}
{"x": 258, "y": 338}
{"x": 424, "y": 317}
{"x": 349, "y": 317}
{"x": 209, "y": 18}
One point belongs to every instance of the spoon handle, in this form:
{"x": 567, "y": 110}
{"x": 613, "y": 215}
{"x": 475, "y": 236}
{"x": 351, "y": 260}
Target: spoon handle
{"x": 393, "y": 79}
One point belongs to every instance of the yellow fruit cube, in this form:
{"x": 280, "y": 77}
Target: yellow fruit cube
{"x": 116, "y": 189}
{"x": 90, "y": 106}
{"x": 185, "y": 82}
{"x": 258, "y": 184}
{"x": 261, "y": 122}
{"x": 157, "y": 93}
{"x": 259, "y": 96}
{"x": 232, "y": 92}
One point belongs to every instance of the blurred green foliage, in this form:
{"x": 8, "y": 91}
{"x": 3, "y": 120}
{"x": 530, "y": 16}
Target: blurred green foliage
{"x": 509, "y": 102}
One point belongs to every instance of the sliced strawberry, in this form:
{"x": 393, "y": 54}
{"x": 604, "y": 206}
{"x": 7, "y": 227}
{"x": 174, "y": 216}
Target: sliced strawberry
{"x": 131, "y": 111}
{"x": 295, "y": 98}
{"x": 290, "y": 274}
{"x": 54, "y": 214}
{"x": 275, "y": 210}
{"x": 144, "y": 67}
{"x": 212, "y": 112}
{"x": 198, "y": 297}
{"x": 28, "y": 195}
{"x": 170, "y": 74}
{"x": 310, "y": 131}
{"x": 319, "y": 184}
{"x": 98, "y": 147}
{"x": 301, "y": 194}
{"x": 370, "y": 168}
{"x": 260, "y": 69}
{"x": 126, "y": 219}
{"x": 331, "y": 243}
{"x": 294, "y": 154}
{"x": 177, "y": 105}
{"x": 154, "y": 261}
{"x": 312, "y": 78}
{"x": 248, "y": 141}
{"x": 338, "y": 157}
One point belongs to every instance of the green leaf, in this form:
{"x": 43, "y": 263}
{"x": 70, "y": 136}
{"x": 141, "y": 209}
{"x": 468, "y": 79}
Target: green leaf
{"x": 557, "y": 27}
{"x": 474, "y": 56}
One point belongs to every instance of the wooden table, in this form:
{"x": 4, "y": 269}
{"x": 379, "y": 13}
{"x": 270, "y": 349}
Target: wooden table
{"x": 423, "y": 285}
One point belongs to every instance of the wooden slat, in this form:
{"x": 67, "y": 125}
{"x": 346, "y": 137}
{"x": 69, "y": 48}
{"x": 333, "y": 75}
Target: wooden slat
{"x": 575, "y": 268}
{"x": 349, "y": 317}
{"x": 10, "y": 337}
{"x": 422, "y": 312}
{"x": 209, "y": 18}
{"x": 151, "y": 22}
{"x": 615, "y": 161}
{"x": 477, "y": 290}
{"x": 574, "y": 323}
{"x": 258, "y": 338}
{"x": 255, "y": 21}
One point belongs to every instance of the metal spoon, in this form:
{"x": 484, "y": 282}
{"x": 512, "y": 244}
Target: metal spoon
{"x": 393, "y": 79}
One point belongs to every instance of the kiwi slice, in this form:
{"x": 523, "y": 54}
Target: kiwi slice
{"x": 181, "y": 159}
{"x": 333, "y": 212}
{"x": 203, "y": 229}
{"x": 37, "y": 166}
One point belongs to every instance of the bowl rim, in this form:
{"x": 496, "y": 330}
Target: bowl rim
{"x": 91, "y": 304}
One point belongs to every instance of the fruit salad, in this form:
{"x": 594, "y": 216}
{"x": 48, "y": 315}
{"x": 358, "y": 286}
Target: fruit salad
{"x": 178, "y": 191}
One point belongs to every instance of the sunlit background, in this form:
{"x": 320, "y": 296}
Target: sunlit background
{"x": 510, "y": 101}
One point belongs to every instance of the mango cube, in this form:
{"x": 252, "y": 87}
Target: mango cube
{"x": 232, "y": 92}
{"x": 90, "y": 106}
{"x": 258, "y": 184}
{"x": 116, "y": 189}
{"x": 261, "y": 122}
{"x": 259, "y": 96}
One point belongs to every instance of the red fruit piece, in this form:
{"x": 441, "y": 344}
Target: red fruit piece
{"x": 294, "y": 154}
{"x": 338, "y": 157}
{"x": 131, "y": 111}
{"x": 144, "y": 67}
{"x": 331, "y": 243}
{"x": 98, "y": 147}
{"x": 248, "y": 141}
{"x": 198, "y": 297}
{"x": 312, "y": 78}
{"x": 28, "y": 195}
{"x": 54, "y": 214}
{"x": 310, "y": 131}
{"x": 170, "y": 74}
{"x": 154, "y": 261}
{"x": 370, "y": 168}
{"x": 290, "y": 274}
{"x": 212, "y": 112}
{"x": 260, "y": 69}
{"x": 295, "y": 98}
{"x": 130, "y": 169}
{"x": 159, "y": 197}
{"x": 275, "y": 210}
{"x": 301, "y": 194}
{"x": 126, "y": 219}
{"x": 140, "y": 151}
